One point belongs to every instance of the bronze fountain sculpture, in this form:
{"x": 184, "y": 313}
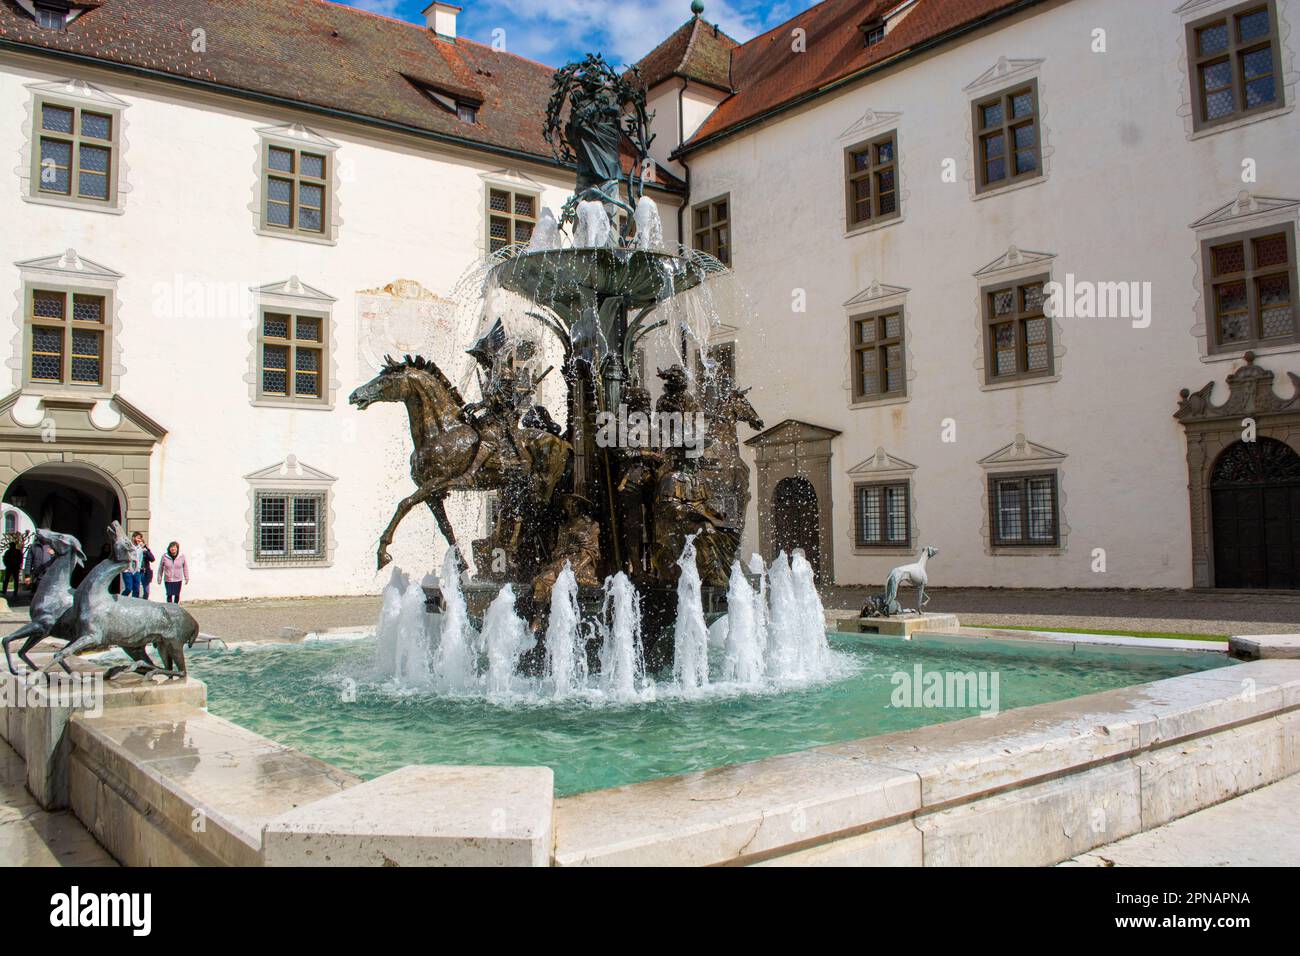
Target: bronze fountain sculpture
{"x": 567, "y": 497}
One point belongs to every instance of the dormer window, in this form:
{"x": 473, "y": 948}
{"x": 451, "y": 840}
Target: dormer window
{"x": 874, "y": 31}
{"x": 467, "y": 112}
{"x": 52, "y": 15}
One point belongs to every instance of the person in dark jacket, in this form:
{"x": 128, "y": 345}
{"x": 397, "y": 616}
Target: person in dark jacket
{"x": 13, "y": 566}
{"x": 144, "y": 576}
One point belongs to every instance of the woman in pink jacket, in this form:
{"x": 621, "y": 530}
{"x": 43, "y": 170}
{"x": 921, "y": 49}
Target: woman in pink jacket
{"x": 173, "y": 571}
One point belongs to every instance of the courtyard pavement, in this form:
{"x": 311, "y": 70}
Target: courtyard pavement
{"x": 30, "y": 836}
{"x": 1256, "y": 829}
{"x": 1222, "y": 613}
{"x": 1165, "y": 612}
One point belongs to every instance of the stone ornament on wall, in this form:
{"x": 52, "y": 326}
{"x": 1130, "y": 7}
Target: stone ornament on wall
{"x": 1250, "y": 395}
{"x": 401, "y": 318}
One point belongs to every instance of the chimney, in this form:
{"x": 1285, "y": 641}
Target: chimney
{"x": 441, "y": 18}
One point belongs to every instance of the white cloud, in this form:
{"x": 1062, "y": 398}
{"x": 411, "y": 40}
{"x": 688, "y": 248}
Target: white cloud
{"x": 625, "y": 31}
{"x": 387, "y": 7}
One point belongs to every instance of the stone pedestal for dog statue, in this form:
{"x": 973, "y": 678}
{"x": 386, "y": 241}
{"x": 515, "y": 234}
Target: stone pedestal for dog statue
{"x": 904, "y": 625}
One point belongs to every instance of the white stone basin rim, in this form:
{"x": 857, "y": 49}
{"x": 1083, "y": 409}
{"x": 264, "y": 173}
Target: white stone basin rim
{"x": 1079, "y": 772}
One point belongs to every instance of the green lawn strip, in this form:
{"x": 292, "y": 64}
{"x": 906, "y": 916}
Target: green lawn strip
{"x": 1083, "y": 630}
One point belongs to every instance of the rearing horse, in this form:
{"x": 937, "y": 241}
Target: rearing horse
{"x": 447, "y": 447}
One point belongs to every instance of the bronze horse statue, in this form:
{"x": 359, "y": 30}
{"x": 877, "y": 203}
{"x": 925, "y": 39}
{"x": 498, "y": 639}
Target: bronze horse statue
{"x": 451, "y": 454}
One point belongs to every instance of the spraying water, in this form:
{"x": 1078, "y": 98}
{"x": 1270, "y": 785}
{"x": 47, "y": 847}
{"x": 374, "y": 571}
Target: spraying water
{"x": 742, "y": 660}
{"x": 508, "y": 638}
{"x": 622, "y": 657}
{"x": 649, "y": 229}
{"x": 566, "y": 649}
{"x": 455, "y": 661}
{"x": 690, "y": 634}
{"x": 772, "y": 636}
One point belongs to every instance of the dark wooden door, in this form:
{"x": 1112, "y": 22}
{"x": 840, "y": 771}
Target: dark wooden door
{"x": 1255, "y": 516}
{"x": 796, "y": 520}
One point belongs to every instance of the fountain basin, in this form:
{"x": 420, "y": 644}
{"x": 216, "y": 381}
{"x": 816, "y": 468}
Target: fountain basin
{"x": 568, "y": 277}
{"x": 592, "y": 742}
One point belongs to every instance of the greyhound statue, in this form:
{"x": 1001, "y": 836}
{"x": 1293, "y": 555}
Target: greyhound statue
{"x": 887, "y": 605}
{"x": 53, "y": 595}
{"x": 98, "y": 620}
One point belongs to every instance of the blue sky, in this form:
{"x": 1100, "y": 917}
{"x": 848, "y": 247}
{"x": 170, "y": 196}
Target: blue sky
{"x": 557, "y": 31}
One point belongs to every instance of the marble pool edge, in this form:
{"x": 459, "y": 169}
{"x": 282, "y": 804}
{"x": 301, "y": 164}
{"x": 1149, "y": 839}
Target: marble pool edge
{"x": 159, "y": 780}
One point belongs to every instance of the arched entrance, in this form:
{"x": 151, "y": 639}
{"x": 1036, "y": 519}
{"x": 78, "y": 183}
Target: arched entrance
{"x": 71, "y": 498}
{"x": 1255, "y": 515}
{"x": 796, "y": 519}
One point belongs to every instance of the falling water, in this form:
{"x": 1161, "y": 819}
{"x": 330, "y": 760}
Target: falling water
{"x": 690, "y": 634}
{"x": 507, "y": 637}
{"x": 622, "y": 658}
{"x": 455, "y": 662}
{"x": 742, "y": 660}
{"x": 566, "y": 649}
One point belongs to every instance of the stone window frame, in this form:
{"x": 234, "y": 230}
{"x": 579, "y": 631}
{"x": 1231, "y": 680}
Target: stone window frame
{"x": 708, "y": 233}
{"x": 860, "y": 543}
{"x": 1015, "y": 267}
{"x": 883, "y": 469}
{"x": 289, "y": 525}
{"x": 871, "y": 174}
{"x": 1229, "y": 16}
{"x": 1023, "y": 458}
{"x": 1201, "y": 11}
{"x": 1004, "y": 77}
{"x": 1023, "y": 479}
{"x": 872, "y": 125}
{"x": 68, "y": 324}
{"x": 70, "y": 274}
{"x": 1019, "y": 317}
{"x": 1006, "y": 128}
{"x": 1249, "y": 213}
{"x": 299, "y": 140}
{"x": 877, "y": 300}
{"x": 293, "y": 343}
{"x": 511, "y": 216}
{"x": 291, "y": 479}
{"x": 881, "y": 344}
{"x": 79, "y": 96}
{"x": 297, "y": 298}
{"x": 1250, "y": 278}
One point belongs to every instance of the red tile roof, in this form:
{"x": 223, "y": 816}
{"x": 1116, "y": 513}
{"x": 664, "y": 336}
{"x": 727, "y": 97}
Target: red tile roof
{"x": 697, "y": 50}
{"x": 769, "y": 75}
{"x": 318, "y": 54}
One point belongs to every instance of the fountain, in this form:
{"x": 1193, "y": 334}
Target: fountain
{"x": 615, "y": 539}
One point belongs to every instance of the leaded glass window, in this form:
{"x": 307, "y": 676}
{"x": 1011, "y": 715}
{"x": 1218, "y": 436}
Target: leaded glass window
{"x": 1251, "y": 289}
{"x": 1024, "y": 510}
{"x": 1018, "y": 331}
{"x": 65, "y": 337}
{"x": 292, "y": 349}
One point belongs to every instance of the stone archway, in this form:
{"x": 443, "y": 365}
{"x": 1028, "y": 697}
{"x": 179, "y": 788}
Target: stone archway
{"x": 1213, "y": 430}
{"x": 802, "y": 452}
{"x": 58, "y": 453}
